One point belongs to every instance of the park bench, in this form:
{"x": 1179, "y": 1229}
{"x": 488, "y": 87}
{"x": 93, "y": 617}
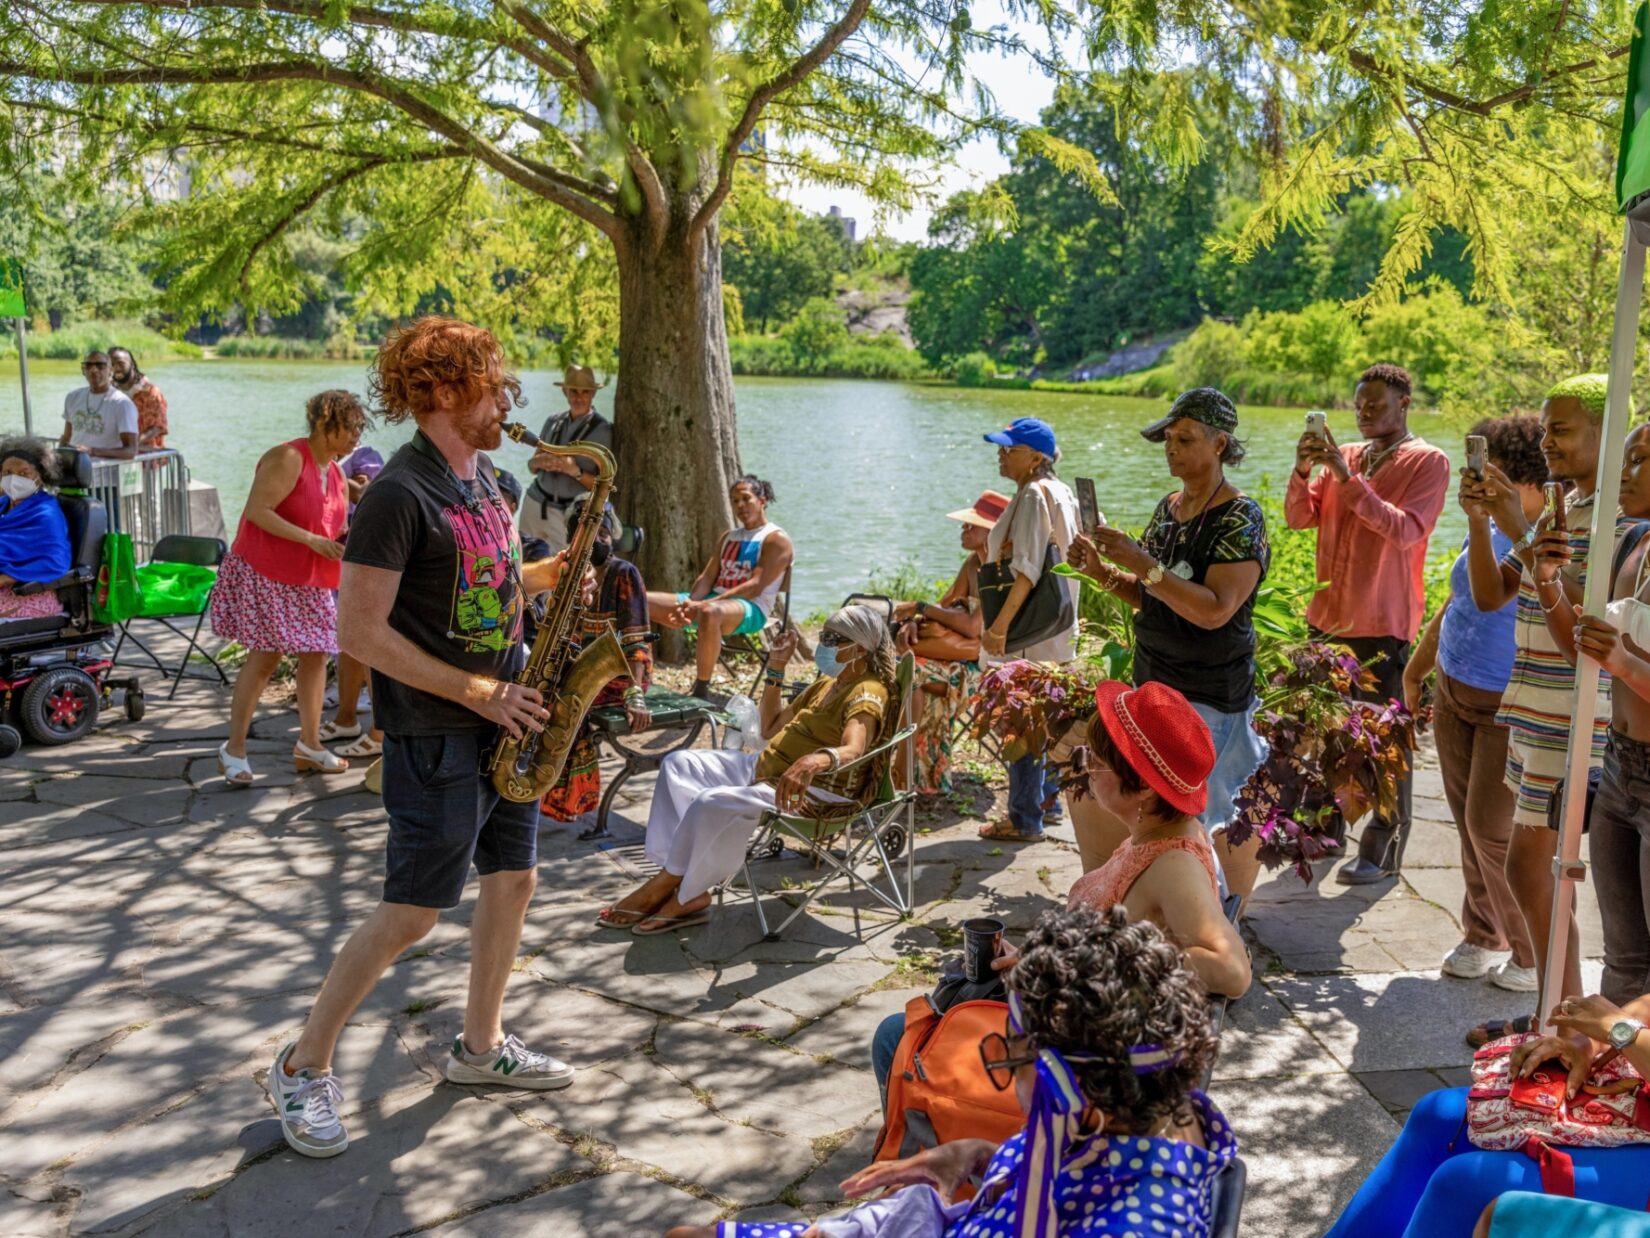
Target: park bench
{"x": 677, "y": 722}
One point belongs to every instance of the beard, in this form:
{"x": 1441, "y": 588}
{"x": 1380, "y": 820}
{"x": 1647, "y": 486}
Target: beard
{"x": 483, "y": 431}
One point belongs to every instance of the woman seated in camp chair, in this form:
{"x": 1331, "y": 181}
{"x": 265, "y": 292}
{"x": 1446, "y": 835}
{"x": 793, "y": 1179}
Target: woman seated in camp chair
{"x": 34, "y": 536}
{"x": 1105, "y": 1038}
{"x": 734, "y": 595}
{"x": 708, "y": 800}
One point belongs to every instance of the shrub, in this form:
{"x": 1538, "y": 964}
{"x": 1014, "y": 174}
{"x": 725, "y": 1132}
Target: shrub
{"x": 975, "y": 370}
{"x": 71, "y": 343}
{"x": 1209, "y": 356}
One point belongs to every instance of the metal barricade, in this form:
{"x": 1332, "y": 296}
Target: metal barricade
{"x": 146, "y": 497}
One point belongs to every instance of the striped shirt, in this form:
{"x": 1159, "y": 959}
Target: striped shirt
{"x": 1540, "y": 696}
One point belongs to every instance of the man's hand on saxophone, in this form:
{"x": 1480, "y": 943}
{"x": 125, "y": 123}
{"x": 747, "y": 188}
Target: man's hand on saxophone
{"x": 515, "y": 707}
{"x": 541, "y": 577}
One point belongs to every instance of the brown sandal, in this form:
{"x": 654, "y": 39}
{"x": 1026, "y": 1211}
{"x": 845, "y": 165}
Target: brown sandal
{"x": 1007, "y": 832}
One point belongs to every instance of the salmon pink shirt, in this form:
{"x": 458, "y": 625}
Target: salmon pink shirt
{"x": 1372, "y": 538}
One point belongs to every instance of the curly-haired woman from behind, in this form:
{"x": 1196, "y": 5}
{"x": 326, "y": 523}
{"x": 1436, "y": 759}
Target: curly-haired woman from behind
{"x": 275, "y": 591}
{"x": 1106, "y": 1036}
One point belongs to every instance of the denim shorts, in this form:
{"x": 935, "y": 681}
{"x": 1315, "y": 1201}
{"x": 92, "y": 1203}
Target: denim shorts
{"x": 444, "y": 815}
{"x": 1239, "y": 752}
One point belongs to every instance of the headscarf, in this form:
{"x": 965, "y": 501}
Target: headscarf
{"x": 1055, "y": 1099}
{"x": 866, "y": 628}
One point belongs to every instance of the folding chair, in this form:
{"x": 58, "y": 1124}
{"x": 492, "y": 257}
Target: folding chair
{"x": 1226, "y": 1199}
{"x": 756, "y": 643}
{"x": 201, "y": 552}
{"x": 872, "y": 819}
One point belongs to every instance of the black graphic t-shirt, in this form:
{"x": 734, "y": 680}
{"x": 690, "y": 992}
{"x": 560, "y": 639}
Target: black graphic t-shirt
{"x": 459, "y": 557}
{"x": 1215, "y": 667}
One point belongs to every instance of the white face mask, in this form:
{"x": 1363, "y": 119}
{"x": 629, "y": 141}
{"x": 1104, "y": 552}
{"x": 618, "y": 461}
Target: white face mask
{"x": 17, "y": 487}
{"x": 1631, "y": 618}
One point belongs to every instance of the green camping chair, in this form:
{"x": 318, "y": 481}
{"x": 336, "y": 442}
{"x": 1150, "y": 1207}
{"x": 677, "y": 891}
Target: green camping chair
{"x": 872, "y": 821}
{"x": 181, "y": 574}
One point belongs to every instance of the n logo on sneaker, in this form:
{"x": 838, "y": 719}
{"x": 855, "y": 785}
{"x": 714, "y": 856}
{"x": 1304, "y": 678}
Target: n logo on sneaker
{"x": 504, "y": 1065}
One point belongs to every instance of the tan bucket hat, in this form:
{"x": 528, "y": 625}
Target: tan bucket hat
{"x": 579, "y": 378}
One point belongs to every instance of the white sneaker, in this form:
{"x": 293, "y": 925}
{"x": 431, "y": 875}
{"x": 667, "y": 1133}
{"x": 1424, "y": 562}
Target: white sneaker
{"x": 1468, "y": 962}
{"x": 308, "y": 1107}
{"x": 1515, "y": 979}
{"x": 511, "y": 1065}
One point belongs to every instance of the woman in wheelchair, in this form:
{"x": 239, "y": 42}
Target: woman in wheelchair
{"x": 707, "y": 801}
{"x": 34, "y": 536}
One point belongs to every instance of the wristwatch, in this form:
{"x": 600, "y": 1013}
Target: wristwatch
{"x": 1525, "y": 542}
{"x": 1624, "y": 1033}
{"x": 1153, "y": 576}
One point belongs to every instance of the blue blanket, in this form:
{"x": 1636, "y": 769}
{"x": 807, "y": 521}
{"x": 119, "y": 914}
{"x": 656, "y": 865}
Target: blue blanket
{"x": 34, "y": 539}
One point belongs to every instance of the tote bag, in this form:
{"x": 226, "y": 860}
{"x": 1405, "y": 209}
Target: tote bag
{"x": 117, "y": 596}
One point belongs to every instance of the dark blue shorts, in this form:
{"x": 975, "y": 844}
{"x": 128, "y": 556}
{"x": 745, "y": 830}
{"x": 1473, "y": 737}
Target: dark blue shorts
{"x": 444, "y": 814}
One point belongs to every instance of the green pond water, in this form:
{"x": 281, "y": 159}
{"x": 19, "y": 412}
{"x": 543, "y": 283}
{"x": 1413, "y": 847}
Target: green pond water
{"x": 864, "y": 471}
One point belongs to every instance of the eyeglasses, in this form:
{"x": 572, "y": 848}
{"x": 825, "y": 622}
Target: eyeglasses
{"x": 833, "y": 640}
{"x": 94, "y": 365}
{"x": 1000, "y": 1061}
{"x": 1083, "y": 761}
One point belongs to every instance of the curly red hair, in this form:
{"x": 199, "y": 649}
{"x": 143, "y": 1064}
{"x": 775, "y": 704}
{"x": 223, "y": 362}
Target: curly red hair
{"x": 437, "y": 351}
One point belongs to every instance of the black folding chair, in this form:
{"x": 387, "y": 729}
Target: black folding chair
{"x": 200, "y": 552}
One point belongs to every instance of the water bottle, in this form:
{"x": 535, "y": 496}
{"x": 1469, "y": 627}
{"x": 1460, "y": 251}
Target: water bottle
{"x": 744, "y": 729}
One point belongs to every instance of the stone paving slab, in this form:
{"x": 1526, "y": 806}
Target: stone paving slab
{"x": 611, "y": 1205}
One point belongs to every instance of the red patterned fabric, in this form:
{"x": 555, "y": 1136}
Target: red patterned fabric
{"x": 1504, "y": 1113}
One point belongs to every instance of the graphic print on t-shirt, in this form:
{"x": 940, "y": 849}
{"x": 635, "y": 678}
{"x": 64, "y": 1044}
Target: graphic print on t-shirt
{"x": 487, "y": 607}
{"x": 739, "y": 556}
{"x": 88, "y": 418}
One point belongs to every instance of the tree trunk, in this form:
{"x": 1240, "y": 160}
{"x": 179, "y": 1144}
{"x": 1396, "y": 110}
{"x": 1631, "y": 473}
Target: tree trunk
{"x": 673, "y": 408}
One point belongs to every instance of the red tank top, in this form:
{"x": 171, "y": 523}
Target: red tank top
{"x": 308, "y": 507}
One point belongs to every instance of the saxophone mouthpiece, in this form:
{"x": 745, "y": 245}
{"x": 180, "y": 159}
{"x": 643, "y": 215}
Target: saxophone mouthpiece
{"x": 521, "y": 434}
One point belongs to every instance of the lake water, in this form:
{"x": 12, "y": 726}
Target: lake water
{"x": 864, "y": 471}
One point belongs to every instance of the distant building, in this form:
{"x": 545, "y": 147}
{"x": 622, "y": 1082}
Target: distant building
{"x": 848, "y": 224}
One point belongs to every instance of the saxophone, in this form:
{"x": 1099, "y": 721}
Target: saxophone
{"x": 568, "y": 677}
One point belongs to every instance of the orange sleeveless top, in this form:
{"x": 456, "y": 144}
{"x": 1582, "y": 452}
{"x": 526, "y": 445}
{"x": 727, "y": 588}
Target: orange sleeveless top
{"x": 1110, "y": 884}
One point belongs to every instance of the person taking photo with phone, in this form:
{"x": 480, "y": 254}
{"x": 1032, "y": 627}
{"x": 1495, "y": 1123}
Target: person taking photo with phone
{"x": 1374, "y": 505}
{"x": 1192, "y": 577}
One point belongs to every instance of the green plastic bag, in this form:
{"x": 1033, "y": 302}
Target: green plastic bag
{"x": 116, "y": 598}
{"x": 174, "y": 588}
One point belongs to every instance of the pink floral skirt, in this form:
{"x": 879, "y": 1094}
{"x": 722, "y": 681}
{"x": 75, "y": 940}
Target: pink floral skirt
{"x": 261, "y": 613}
{"x": 31, "y": 606}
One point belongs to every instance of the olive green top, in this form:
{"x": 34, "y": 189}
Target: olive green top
{"x": 819, "y": 722}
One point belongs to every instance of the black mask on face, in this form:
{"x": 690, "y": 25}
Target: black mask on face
{"x": 600, "y": 552}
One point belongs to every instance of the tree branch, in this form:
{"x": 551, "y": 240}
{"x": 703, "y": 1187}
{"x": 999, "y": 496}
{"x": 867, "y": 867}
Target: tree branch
{"x": 1366, "y": 64}
{"x": 394, "y": 93}
{"x": 761, "y": 97}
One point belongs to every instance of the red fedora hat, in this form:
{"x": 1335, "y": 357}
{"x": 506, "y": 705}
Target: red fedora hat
{"x": 1162, "y": 738}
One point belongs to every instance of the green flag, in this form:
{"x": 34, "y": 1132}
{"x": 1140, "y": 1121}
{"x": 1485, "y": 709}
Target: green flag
{"x": 11, "y": 289}
{"x": 1633, "y": 160}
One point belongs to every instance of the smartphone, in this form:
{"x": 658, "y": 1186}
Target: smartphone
{"x": 1088, "y": 507}
{"x": 1477, "y": 454}
{"x": 1317, "y": 422}
{"x": 1552, "y": 493}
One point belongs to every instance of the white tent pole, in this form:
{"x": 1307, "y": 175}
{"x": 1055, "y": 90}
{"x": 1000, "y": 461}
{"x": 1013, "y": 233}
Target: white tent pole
{"x": 1568, "y": 867}
{"x": 23, "y": 368}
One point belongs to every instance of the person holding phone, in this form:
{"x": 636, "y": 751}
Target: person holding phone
{"x": 1192, "y": 577}
{"x": 1374, "y": 505}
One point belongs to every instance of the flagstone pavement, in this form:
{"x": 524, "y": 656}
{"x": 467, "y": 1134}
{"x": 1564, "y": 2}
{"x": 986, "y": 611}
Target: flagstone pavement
{"x": 161, "y": 935}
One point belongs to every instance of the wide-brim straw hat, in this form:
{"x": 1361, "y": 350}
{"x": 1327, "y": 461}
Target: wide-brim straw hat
{"x": 579, "y": 378}
{"x": 987, "y": 509}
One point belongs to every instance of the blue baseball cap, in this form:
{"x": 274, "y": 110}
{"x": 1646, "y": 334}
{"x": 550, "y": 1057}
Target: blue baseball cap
{"x": 1026, "y": 432}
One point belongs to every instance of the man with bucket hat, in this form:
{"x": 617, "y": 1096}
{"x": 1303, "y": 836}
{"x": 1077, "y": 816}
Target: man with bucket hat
{"x": 558, "y": 480}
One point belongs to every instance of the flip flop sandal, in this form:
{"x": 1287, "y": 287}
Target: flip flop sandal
{"x": 1495, "y": 1029}
{"x": 331, "y": 731}
{"x": 608, "y": 918}
{"x": 1004, "y": 832}
{"x": 365, "y": 746}
{"x": 669, "y": 924}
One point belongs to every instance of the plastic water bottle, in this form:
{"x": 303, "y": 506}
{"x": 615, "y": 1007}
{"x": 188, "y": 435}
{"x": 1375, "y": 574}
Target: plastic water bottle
{"x": 744, "y": 730}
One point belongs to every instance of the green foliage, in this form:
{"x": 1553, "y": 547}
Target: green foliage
{"x": 975, "y": 370}
{"x": 287, "y": 348}
{"x": 74, "y": 342}
{"x": 81, "y": 258}
{"x": 819, "y": 329}
{"x": 779, "y": 258}
{"x": 858, "y": 356}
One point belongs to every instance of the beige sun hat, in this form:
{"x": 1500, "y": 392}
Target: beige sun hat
{"x": 579, "y": 378}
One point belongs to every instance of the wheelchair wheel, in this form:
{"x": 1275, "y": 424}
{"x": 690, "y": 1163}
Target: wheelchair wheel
{"x": 60, "y": 706}
{"x": 10, "y": 741}
{"x": 136, "y": 706}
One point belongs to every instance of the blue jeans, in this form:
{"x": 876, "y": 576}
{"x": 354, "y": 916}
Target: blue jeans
{"x": 884, "y": 1048}
{"x": 1433, "y": 1183}
{"x": 1239, "y": 752}
{"x": 1032, "y": 782}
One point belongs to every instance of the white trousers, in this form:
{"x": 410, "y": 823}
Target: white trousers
{"x": 704, "y": 811}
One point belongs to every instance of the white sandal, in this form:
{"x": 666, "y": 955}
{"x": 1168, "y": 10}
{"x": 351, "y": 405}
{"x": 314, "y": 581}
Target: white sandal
{"x": 236, "y": 771}
{"x": 366, "y": 746}
{"x": 316, "y": 760}
{"x": 331, "y": 731}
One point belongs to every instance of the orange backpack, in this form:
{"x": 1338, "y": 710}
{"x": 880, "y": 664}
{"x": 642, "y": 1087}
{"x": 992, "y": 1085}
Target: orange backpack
{"x": 938, "y": 1090}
